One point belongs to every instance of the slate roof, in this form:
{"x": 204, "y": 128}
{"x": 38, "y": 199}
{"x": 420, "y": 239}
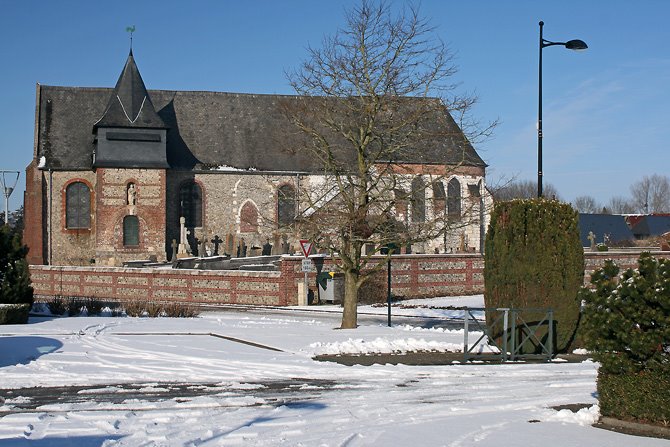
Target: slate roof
{"x": 205, "y": 129}
{"x": 651, "y": 225}
{"x": 129, "y": 104}
{"x": 600, "y": 224}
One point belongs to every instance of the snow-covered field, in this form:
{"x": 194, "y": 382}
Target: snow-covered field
{"x": 248, "y": 378}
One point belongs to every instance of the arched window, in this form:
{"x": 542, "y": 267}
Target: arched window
{"x": 131, "y": 231}
{"x": 439, "y": 198}
{"x": 77, "y": 206}
{"x": 285, "y": 205}
{"x": 454, "y": 198}
{"x": 190, "y": 204}
{"x": 418, "y": 200}
{"x": 249, "y": 218}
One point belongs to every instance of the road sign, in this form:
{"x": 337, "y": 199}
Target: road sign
{"x": 306, "y": 247}
{"x": 307, "y": 265}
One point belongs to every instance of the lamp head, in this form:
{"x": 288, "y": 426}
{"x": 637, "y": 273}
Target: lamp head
{"x": 576, "y": 45}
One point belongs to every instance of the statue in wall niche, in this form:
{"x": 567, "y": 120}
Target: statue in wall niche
{"x": 131, "y": 194}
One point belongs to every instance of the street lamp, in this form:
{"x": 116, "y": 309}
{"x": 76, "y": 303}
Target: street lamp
{"x": 575, "y": 45}
{"x": 5, "y": 181}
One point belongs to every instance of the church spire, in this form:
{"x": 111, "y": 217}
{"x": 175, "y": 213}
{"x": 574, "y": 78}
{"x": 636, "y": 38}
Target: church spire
{"x": 130, "y": 104}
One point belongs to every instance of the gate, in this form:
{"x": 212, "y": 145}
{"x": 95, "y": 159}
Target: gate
{"x": 516, "y": 333}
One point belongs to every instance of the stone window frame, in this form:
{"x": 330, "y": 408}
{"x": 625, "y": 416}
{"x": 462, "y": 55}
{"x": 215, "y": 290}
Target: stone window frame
{"x": 91, "y": 203}
{"x": 255, "y": 225}
{"x": 202, "y": 201}
{"x": 281, "y": 224}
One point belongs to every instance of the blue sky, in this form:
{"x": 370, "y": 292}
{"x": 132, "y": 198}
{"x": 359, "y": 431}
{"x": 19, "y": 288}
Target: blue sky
{"x": 606, "y": 110}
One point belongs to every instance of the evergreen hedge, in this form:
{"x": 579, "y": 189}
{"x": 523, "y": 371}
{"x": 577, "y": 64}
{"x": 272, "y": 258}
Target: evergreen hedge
{"x": 534, "y": 259}
{"x": 15, "y": 285}
{"x": 627, "y": 327}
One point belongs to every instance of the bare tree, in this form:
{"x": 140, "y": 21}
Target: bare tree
{"x": 619, "y": 205}
{"x": 651, "y": 194}
{"x": 373, "y": 96}
{"x": 524, "y": 189}
{"x": 586, "y": 204}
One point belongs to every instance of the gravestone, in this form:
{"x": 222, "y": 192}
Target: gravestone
{"x": 216, "y": 241}
{"x": 267, "y": 248}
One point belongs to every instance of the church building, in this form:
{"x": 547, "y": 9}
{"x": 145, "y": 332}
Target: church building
{"x": 127, "y": 173}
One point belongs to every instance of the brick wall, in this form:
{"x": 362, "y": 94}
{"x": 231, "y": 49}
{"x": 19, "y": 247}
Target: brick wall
{"x": 122, "y": 284}
{"x": 413, "y": 276}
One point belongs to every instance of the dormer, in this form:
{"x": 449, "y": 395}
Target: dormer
{"x": 130, "y": 134}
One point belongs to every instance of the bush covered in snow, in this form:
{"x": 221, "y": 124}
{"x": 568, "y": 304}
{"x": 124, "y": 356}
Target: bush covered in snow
{"x": 534, "y": 258}
{"x": 627, "y": 327}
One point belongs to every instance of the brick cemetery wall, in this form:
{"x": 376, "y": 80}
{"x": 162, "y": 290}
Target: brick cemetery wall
{"x": 413, "y": 276}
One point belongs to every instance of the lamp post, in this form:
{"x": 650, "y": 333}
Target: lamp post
{"x": 5, "y": 180}
{"x": 575, "y": 45}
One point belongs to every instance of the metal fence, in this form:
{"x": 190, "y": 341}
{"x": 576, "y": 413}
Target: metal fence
{"x": 512, "y": 333}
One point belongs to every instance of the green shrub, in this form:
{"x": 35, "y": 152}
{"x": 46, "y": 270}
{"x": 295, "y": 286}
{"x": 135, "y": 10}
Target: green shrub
{"x": 534, "y": 259}
{"x": 57, "y": 305}
{"x": 14, "y": 313}
{"x": 14, "y": 274}
{"x": 641, "y": 396}
{"x": 627, "y": 316}
{"x": 626, "y": 325}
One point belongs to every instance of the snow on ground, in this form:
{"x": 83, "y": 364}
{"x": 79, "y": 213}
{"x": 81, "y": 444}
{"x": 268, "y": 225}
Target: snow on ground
{"x": 263, "y": 388}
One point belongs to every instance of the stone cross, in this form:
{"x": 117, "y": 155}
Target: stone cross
{"x": 184, "y": 249}
{"x": 216, "y": 241}
{"x": 592, "y": 238}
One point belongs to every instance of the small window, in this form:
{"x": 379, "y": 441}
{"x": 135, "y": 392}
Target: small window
{"x": 77, "y": 206}
{"x": 131, "y": 231}
{"x": 249, "y": 218}
{"x": 190, "y": 204}
{"x": 285, "y": 205}
{"x": 418, "y": 200}
{"x": 454, "y": 198}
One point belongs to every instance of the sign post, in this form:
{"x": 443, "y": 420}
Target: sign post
{"x": 306, "y": 247}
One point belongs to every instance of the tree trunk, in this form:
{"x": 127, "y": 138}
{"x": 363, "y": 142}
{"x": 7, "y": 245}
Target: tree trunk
{"x": 349, "y": 313}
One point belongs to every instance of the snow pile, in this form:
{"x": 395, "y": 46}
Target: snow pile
{"x": 584, "y": 417}
{"x": 387, "y": 346}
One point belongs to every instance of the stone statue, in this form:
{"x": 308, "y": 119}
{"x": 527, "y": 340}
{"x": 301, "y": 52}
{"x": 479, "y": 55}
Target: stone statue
{"x": 132, "y": 194}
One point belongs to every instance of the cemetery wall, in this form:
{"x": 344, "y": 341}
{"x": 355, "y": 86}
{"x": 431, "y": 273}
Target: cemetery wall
{"x": 413, "y": 276}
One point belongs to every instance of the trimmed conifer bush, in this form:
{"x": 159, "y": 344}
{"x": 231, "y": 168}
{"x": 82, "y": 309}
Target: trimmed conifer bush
{"x": 627, "y": 327}
{"x": 534, "y": 259}
{"x": 14, "y": 275}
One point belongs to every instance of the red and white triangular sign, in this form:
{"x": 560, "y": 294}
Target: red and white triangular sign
{"x": 306, "y": 247}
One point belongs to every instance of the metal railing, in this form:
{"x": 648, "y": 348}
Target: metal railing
{"x": 513, "y": 335}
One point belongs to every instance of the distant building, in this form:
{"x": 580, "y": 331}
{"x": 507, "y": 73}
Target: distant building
{"x": 620, "y": 228}
{"x": 114, "y": 171}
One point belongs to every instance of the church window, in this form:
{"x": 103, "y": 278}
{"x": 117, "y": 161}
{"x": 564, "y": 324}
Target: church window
{"x": 190, "y": 204}
{"x": 285, "y": 205}
{"x": 439, "y": 198}
{"x": 77, "y": 206}
{"x": 249, "y": 218}
{"x": 454, "y": 198}
{"x": 131, "y": 231}
{"x": 418, "y": 200}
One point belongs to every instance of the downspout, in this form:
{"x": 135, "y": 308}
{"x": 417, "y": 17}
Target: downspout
{"x": 49, "y": 214}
